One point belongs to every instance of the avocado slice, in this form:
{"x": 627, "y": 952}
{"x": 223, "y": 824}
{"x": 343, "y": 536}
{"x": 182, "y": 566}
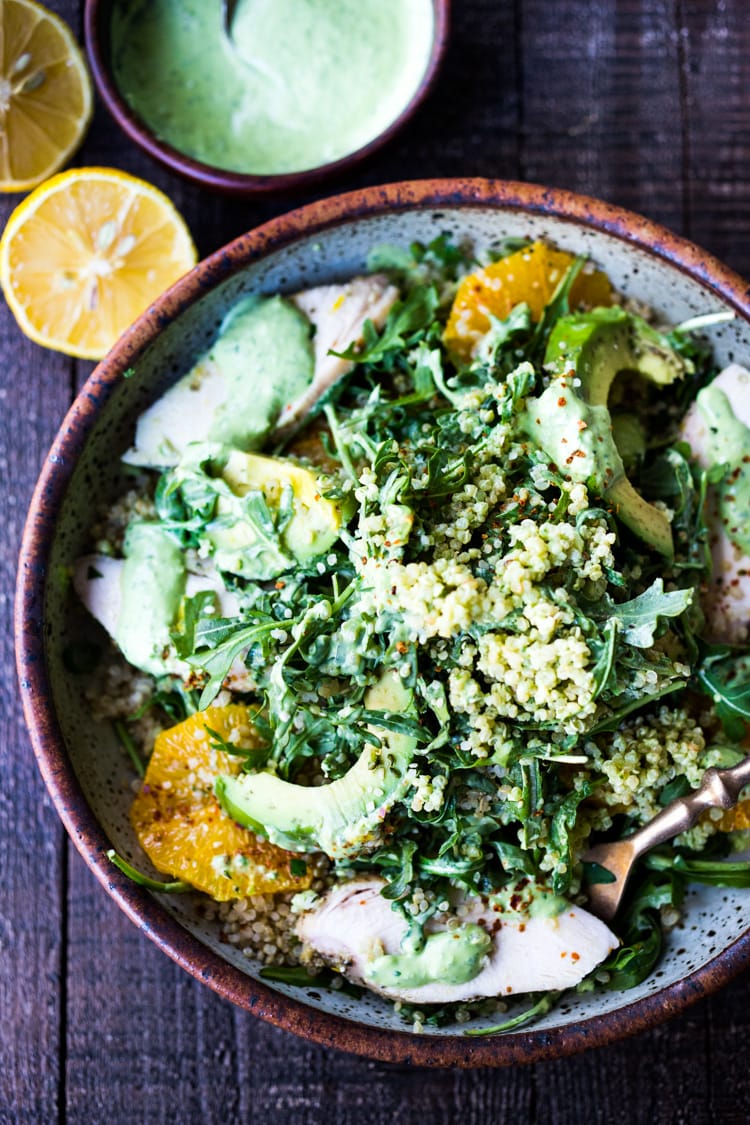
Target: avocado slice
{"x": 596, "y": 346}
{"x": 312, "y": 523}
{"x": 343, "y": 817}
{"x": 152, "y": 586}
{"x": 602, "y": 342}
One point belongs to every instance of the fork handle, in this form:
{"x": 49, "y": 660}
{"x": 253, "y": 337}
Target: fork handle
{"x": 718, "y": 789}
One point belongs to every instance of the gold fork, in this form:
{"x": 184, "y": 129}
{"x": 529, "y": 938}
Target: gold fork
{"x": 718, "y": 789}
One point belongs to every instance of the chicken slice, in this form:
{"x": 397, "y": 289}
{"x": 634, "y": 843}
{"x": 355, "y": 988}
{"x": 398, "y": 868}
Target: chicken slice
{"x": 353, "y": 925}
{"x": 339, "y": 313}
{"x": 727, "y": 602}
{"x": 183, "y": 414}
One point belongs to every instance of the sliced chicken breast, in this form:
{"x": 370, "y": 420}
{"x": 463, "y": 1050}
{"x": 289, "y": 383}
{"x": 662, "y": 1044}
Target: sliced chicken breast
{"x": 339, "y": 313}
{"x": 183, "y": 414}
{"x": 727, "y": 601}
{"x": 187, "y": 411}
{"x": 353, "y": 925}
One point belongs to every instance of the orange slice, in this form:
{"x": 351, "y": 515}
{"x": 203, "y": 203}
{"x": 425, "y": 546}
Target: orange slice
{"x": 530, "y": 275}
{"x": 183, "y": 829}
{"x": 736, "y": 819}
{"x": 45, "y": 94}
{"x": 86, "y": 253}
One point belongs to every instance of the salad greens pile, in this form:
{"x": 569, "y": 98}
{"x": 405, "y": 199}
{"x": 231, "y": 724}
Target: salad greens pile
{"x": 543, "y": 643}
{"x": 463, "y": 609}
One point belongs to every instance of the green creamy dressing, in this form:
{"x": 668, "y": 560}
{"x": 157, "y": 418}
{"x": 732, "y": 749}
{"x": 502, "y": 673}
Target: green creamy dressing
{"x": 302, "y": 83}
{"x": 729, "y": 444}
{"x": 265, "y": 354}
{"x": 451, "y": 957}
{"x": 576, "y": 436}
{"x": 531, "y": 899}
{"x": 152, "y": 587}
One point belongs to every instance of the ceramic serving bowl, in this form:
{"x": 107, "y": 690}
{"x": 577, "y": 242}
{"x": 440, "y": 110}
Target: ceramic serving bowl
{"x": 87, "y": 773}
{"x": 97, "y": 19}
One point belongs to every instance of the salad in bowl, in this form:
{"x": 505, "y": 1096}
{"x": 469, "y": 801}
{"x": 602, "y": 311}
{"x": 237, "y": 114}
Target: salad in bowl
{"x": 425, "y": 580}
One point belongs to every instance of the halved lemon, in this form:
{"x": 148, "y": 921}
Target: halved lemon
{"x": 530, "y": 275}
{"x": 183, "y": 829}
{"x": 86, "y": 253}
{"x": 45, "y": 94}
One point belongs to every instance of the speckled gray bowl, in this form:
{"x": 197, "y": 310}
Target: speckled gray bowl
{"x": 86, "y": 772}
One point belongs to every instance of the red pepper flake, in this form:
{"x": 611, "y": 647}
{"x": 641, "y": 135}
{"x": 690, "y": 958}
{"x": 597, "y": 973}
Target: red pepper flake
{"x": 280, "y": 584}
{"x": 582, "y": 425}
{"x": 401, "y": 646}
{"x": 562, "y": 401}
{"x": 563, "y": 954}
{"x": 575, "y": 957}
{"x": 515, "y": 902}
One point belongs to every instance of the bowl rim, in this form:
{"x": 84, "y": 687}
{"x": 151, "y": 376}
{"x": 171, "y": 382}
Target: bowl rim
{"x": 241, "y": 183}
{"x": 46, "y": 737}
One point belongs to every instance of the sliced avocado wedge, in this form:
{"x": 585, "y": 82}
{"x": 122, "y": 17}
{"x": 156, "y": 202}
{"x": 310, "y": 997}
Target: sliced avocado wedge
{"x": 306, "y": 523}
{"x": 602, "y": 342}
{"x": 152, "y": 585}
{"x": 594, "y": 347}
{"x": 340, "y": 818}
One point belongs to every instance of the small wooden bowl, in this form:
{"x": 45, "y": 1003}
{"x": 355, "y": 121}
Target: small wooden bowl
{"x": 97, "y": 14}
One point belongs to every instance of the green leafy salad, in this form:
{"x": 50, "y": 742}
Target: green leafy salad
{"x": 438, "y": 575}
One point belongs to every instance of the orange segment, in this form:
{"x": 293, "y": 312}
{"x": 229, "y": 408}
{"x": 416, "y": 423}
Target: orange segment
{"x": 181, "y": 826}
{"x": 45, "y": 94}
{"x": 736, "y": 819}
{"x": 529, "y": 275}
{"x": 86, "y": 253}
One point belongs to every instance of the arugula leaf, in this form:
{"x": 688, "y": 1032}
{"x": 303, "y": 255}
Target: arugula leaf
{"x": 605, "y": 658}
{"x": 716, "y": 873}
{"x": 129, "y": 747}
{"x": 562, "y": 822}
{"x": 557, "y": 306}
{"x": 405, "y": 318}
{"x": 193, "y": 610}
{"x": 725, "y": 676}
{"x": 639, "y": 618}
{"x": 292, "y": 974}
{"x": 613, "y": 720}
{"x": 594, "y": 873}
{"x": 678, "y": 787}
{"x": 216, "y": 662}
{"x": 640, "y": 928}
{"x": 545, "y": 1004}
{"x": 176, "y": 887}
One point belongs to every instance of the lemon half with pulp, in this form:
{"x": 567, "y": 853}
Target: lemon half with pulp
{"x": 86, "y": 253}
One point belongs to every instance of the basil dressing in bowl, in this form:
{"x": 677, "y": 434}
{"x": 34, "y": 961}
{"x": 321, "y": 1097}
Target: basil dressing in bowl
{"x": 300, "y": 83}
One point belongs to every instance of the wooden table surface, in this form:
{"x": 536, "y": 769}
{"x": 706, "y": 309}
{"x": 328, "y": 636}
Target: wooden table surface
{"x": 645, "y": 103}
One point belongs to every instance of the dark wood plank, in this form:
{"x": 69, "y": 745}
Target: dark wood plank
{"x": 715, "y": 47}
{"x": 35, "y": 391}
{"x": 601, "y": 102}
{"x": 34, "y": 395}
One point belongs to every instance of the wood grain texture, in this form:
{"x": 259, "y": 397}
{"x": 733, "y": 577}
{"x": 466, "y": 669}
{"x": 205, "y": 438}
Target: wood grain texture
{"x": 34, "y": 394}
{"x": 643, "y": 102}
